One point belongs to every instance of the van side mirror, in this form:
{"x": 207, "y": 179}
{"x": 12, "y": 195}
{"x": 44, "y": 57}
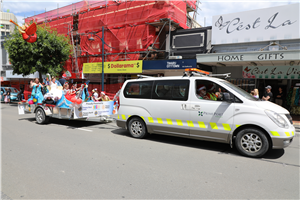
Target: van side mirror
{"x": 226, "y": 97}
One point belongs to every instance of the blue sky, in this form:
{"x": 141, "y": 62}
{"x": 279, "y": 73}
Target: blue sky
{"x": 207, "y": 8}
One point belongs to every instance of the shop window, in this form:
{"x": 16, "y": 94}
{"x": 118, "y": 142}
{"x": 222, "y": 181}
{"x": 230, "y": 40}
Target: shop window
{"x": 246, "y": 84}
{"x": 4, "y": 54}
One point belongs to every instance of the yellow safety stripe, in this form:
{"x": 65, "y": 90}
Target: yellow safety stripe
{"x": 287, "y": 133}
{"x": 213, "y": 125}
{"x": 150, "y": 119}
{"x": 275, "y": 133}
{"x": 179, "y": 122}
{"x": 226, "y": 127}
{"x": 159, "y": 120}
{"x": 201, "y": 125}
{"x": 190, "y": 123}
{"x": 169, "y": 121}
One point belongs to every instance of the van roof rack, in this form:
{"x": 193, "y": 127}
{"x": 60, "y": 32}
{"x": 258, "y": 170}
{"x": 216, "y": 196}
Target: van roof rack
{"x": 143, "y": 76}
{"x": 194, "y": 71}
{"x": 227, "y": 75}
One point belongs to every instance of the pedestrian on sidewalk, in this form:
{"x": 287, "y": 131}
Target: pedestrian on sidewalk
{"x": 268, "y": 96}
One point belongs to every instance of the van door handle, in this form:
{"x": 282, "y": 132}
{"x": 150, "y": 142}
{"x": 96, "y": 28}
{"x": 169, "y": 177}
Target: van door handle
{"x": 196, "y": 107}
{"x": 183, "y": 106}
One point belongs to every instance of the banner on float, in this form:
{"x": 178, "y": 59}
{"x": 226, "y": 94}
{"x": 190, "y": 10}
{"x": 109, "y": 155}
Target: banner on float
{"x": 95, "y": 109}
{"x": 131, "y": 67}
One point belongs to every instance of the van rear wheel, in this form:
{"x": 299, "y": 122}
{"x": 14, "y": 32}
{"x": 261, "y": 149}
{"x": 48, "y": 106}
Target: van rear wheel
{"x": 252, "y": 142}
{"x": 137, "y": 128}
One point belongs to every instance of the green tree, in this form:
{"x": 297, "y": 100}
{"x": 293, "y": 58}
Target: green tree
{"x": 47, "y": 55}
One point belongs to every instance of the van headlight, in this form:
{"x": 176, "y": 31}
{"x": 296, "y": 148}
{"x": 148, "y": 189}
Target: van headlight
{"x": 277, "y": 119}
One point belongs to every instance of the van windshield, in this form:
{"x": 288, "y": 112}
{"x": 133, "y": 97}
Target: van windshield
{"x": 240, "y": 91}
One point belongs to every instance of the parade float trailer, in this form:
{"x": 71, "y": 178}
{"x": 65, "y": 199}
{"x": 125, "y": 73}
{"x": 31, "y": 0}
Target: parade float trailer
{"x": 86, "y": 111}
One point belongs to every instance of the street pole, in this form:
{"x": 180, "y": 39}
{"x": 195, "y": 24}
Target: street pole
{"x": 102, "y": 58}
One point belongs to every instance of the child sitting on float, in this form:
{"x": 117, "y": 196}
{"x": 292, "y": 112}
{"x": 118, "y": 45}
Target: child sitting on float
{"x": 95, "y": 95}
{"x": 104, "y": 97}
{"x": 48, "y": 99}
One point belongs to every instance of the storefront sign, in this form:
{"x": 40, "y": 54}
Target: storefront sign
{"x": 272, "y": 72}
{"x": 135, "y": 66}
{"x": 95, "y": 109}
{"x": 170, "y": 64}
{"x": 275, "y": 23}
{"x": 249, "y": 56}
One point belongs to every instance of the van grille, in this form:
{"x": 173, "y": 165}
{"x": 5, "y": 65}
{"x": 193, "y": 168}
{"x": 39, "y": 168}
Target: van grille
{"x": 289, "y": 118}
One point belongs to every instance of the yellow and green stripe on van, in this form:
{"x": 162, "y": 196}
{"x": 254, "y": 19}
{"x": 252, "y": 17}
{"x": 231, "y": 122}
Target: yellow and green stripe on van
{"x": 288, "y": 134}
{"x": 202, "y": 125}
{"x": 178, "y": 122}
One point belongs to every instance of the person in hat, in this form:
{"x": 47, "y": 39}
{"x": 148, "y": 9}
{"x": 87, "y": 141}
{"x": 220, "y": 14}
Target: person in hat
{"x": 48, "y": 99}
{"x": 268, "y": 96}
{"x": 211, "y": 92}
{"x": 104, "y": 97}
{"x": 62, "y": 80}
{"x": 95, "y": 95}
{"x": 201, "y": 92}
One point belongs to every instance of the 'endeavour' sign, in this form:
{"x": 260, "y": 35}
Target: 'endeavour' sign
{"x": 276, "y": 23}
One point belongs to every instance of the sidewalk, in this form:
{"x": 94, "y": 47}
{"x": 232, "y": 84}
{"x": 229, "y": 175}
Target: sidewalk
{"x": 296, "y": 122}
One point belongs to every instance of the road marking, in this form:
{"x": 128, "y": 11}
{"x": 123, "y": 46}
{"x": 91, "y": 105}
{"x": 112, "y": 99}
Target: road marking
{"x": 84, "y": 129}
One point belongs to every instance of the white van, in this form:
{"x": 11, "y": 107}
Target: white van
{"x": 171, "y": 106}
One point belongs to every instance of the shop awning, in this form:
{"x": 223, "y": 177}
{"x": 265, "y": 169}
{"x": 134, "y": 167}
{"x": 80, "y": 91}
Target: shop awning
{"x": 254, "y": 58}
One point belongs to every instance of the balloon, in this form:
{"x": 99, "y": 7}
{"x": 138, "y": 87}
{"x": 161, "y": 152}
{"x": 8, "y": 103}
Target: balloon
{"x": 73, "y": 99}
{"x": 78, "y": 101}
{"x": 34, "y": 100}
{"x": 30, "y": 102}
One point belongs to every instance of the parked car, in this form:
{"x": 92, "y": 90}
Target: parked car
{"x": 13, "y": 93}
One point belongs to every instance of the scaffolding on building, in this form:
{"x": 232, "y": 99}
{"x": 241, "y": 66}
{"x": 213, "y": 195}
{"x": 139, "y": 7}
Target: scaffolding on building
{"x": 134, "y": 30}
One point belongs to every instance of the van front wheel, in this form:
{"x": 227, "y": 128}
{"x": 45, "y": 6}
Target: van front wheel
{"x": 137, "y": 128}
{"x": 252, "y": 142}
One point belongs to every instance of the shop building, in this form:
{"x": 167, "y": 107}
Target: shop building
{"x": 259, "y": 48}
{"x": 6, "y": 28}
{"x": 118, "y": 31}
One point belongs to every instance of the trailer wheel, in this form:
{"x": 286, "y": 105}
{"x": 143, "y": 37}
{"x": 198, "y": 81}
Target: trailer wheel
{"x": 41, "y": 117}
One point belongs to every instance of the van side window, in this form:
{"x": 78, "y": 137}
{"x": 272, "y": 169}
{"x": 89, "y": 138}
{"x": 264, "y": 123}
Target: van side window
{"x": 208, "y": 90}
{"x": 177, "y": 90}
{"x": 140, "y": 89}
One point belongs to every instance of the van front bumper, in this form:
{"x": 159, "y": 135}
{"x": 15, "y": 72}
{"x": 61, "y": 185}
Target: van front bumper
{"x": 282, "y": 139}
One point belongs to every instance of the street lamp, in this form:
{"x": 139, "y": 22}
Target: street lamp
{"x": 102, "y": 39}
